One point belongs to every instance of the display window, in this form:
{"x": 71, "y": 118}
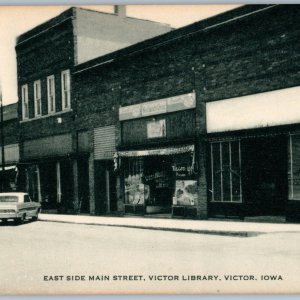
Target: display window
{"x": 225, "y": 172}
{"x": 160, "y": 180}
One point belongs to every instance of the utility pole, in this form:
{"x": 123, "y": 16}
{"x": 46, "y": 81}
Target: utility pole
{"x": 2, "y": 139}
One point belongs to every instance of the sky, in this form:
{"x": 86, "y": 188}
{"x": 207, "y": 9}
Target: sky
{"x": 15, "y": 20}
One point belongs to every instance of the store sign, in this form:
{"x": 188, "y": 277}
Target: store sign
{"x": 130, "y": 112}
{"x": 156, "y": 129}
{"x": 274, "y": 108}
{"x": 156, "y": 107}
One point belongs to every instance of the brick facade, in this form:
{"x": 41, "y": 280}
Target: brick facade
{"x": 50, "y": 49}
{"x": 242, "y": 52}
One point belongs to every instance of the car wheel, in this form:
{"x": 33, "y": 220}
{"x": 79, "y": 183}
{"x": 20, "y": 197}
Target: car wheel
{"x": 34, "y": 218}
{"x": 20, "y": 220}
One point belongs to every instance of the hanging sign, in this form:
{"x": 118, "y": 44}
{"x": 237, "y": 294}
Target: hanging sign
{"x": 156, "y": 129}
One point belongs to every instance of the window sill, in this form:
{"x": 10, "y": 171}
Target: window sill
{"x": 47, "y": 116}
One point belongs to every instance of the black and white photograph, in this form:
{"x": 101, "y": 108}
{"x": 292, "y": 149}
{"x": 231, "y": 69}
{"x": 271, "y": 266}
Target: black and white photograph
{"x": 150, "y": 149}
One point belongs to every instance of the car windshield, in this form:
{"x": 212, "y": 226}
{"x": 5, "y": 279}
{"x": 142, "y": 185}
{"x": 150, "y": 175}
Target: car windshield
{"x": 8, "y": 199}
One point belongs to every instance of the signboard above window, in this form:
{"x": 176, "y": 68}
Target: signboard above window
{"x": 156, "y": 129}
{"x": 156, "y": 107}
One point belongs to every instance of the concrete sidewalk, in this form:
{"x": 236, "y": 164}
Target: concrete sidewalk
{"x": 231, "y": 228}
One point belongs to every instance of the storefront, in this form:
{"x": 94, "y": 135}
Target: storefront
{"x": 248, "y": 177}
{"x": 254, "y": 161}
{"x": 9, "y": 176}
{"x": 157, "y": 180}
{"x": 48, "y": 173}
{"x": 156, "y": 159}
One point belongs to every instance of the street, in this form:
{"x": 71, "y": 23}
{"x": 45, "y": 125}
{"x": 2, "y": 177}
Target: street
{"x": 49, "y": 257}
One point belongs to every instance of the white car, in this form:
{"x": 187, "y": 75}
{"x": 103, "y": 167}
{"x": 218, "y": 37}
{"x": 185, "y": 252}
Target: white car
{"x": 18, "y": 206}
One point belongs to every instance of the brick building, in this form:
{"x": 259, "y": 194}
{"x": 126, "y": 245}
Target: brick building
{"x": 200, "y": 122}
{"x": 9, "y": 175}
{"x": 54, "y": 162}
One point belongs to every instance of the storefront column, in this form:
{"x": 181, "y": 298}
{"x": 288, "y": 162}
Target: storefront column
{"x": 202, "y": 192}
{"x": 120, "y": 200}
{"x": 58, "y": 182}
{"x": 27, "y": 180}
{"x": 92, "y": 184}
{"x": 38, "y": 183}
{"x": 76, "y": 199}
{"x": 107, "y": 191}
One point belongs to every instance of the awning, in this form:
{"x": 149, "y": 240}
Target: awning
{"x": 8, "y": 168}
{"x": 158, "y": 151}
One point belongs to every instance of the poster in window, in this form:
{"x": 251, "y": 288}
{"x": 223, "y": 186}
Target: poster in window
{"x": 185, "y": 192}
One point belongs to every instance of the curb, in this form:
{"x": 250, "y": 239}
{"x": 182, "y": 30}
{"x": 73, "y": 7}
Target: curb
{"x": 197, "y": 231}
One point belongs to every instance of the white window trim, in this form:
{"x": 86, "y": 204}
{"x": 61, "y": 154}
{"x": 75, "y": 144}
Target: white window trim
{"x": 37, "y": 96}
{"x": 50, "y": 79}
{"x": 66, "y": 72}
{"x": 24, "y": 91}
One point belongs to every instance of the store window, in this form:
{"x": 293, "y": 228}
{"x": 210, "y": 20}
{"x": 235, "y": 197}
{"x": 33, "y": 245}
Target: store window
{"x": 225, "y": 177}
{"x": 294, "y": 167}
{"x": 160, "y": 180}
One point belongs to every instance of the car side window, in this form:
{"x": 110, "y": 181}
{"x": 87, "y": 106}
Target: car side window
{"x": 26, "y": 198}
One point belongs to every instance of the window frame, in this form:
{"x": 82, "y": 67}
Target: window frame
{"x": 51, "y": 84}
{"x": 221, "y": 143}
{"x": 66, "y": 91}
{"x": 24, "y": 97}
{"x": 37, "y": 96}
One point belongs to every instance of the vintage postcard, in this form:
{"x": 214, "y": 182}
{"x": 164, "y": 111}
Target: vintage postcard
{"x": 150, "y": 149}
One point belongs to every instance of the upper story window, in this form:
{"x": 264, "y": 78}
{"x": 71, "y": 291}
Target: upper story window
{"x": 65, "y": 89}
{"x": 37, "y": 98}
{"x": 51, "y": 93}
{"x": 24, "y": 95}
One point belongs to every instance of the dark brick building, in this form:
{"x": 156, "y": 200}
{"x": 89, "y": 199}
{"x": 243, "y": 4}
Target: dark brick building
{"x": 203, "y": 120}
{"x": 10, "y": 131}
{"x": 54, "y": 160}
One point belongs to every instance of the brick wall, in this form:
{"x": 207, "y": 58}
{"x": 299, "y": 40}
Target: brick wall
{"x": 11, "y": 132}
{"x": 249, "y": 55}
{"x": 40, "y": 56}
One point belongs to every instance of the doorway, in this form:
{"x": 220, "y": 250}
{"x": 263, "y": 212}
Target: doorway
{"x": 264, "y": 176}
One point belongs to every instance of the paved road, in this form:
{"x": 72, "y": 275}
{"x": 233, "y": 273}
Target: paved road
{"x": 189, "y": 262}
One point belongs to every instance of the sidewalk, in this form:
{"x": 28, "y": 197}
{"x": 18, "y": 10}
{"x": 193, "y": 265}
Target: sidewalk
{"x": 231, "y": 228}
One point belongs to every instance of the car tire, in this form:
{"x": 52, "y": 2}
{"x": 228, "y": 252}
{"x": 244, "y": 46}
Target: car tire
{"x": 20, "y": 220}
{"x": 34, "y": 218}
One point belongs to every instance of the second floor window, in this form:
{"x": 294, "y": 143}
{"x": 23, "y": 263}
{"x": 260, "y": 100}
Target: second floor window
{"x": 24, "y": 95}
{"x": 51, "y": 93}
{"x": 65, "y": 89}
{"x": 37, "y": 98}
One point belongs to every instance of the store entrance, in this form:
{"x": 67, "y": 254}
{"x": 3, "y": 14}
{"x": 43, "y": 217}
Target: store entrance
{"x": 159, "y": 178}
{"x": 265, "y": 182}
